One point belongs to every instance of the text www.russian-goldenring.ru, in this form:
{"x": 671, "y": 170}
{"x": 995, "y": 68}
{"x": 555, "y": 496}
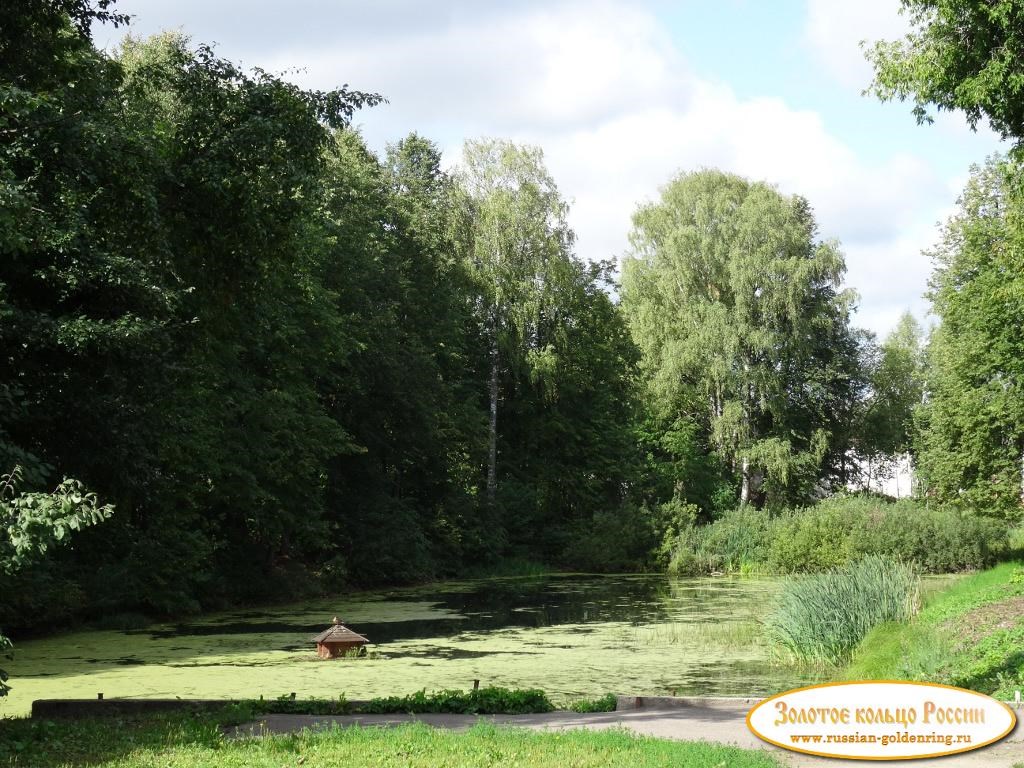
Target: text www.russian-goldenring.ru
{"x": 884, "y": 740}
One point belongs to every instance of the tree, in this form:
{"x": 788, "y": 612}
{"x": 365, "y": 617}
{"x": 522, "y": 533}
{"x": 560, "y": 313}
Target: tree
{"x": 734, "y": 303}
{"x": 402, "y": 506}
{"x": 32, "y": 522}
{"x": 896, "y": 388}
{"x": 516, "y": 245}
{"x": 571, "y": 463}
{"x": 161, "y": 235}
{"x": 971, "y": 442}
{"x": 960, "y": 54}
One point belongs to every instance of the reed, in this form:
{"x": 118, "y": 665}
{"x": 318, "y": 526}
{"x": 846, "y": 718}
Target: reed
{"x": 821, "y": 618}
{"x": 707, "y": 635}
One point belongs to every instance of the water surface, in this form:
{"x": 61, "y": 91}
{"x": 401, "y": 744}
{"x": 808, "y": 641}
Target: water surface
{"x": 571, "y": 635}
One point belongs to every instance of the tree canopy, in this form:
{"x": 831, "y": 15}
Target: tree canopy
{"x": 735, "y": 304}
{"x": 971, "y": 438}
{"x": 961, "y": 55}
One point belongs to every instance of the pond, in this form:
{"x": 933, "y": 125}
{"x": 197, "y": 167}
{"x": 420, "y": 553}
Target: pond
{"x": 572, "y": 635}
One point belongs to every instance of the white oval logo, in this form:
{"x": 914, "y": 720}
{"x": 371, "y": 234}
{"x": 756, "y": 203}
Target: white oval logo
{"x": 881, "y": 720}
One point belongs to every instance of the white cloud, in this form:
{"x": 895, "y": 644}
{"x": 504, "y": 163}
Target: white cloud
{"x": 607, "y": 94}
{"x": 834, "y": 31}
{"x": 549, "y": 67}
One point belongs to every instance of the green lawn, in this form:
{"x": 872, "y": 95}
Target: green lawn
{"x": 970, "y": 635}
{"x": 187, "y": 742}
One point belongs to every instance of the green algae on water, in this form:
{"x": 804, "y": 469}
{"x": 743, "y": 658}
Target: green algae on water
{"x": 571, "y": 635}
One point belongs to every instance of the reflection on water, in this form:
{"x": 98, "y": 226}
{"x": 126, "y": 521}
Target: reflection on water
{"x": 571, "y": 635}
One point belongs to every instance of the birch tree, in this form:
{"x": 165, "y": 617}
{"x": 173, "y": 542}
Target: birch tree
{"x": 517, "y": 243}
{"x": 734, "y": 302}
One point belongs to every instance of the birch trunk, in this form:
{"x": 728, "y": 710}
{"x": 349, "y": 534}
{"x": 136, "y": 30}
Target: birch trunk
{"x": 492, "y": 436}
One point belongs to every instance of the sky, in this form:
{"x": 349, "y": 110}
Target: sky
{"x": 624, "y": 95}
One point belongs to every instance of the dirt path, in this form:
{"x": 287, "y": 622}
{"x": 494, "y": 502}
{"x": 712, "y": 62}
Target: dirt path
{"x": 725, "y": 724}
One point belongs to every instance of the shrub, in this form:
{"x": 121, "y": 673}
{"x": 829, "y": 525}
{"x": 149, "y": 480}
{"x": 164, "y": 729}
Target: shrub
{"x": 286, "y": 705}
{"x": 482, "y": 701}
{"x": 820, "y": 618}
{"x": 837, "y": 531}
{"x": 606, "y": 703}
{"x": 814, "y": 539}
{"x": 615, "y": 541}
{"x": 936, "y": 539}
{"x": 739, "y": 538}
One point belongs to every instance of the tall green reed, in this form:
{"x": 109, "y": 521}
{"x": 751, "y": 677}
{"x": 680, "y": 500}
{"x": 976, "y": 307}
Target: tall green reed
{"x": 821, "y": 618}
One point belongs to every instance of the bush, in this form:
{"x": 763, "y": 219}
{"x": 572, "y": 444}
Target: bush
{"x": 736, "y": 541}
{"x": 936, "y": 539}
{"x": 481, "y": 701}
{"x": 813, "y": 539}
{"x": 820, "y": 618}
{"x": 606, "y": 703}
{"x": 286, "y": 705}
{"x": 837, "y": 531}
{"x": 616, "y": 541}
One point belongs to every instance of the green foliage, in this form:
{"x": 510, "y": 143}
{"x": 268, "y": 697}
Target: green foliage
{"x": 964, "y": 55}
{"x": 30, "y": 523}
{"x": 736, "y": 541}
{"x": 5, "y": 653}
{"x": 971, "y": 429}
{"x": 817, "y": 538}
{"x": 959, "y": 55}
{"x": 836, "y": 531}
{"x": 885, "y": 425}
{"x": 290, "y": 705}
{"x": 821, "y": 618}
{"x": 615, "y": 541}
{"x": 734, "y": 303}
{"x": 606, "y": 703}
{"x": 480, "y": 701}
{"x": 294, "y": 336}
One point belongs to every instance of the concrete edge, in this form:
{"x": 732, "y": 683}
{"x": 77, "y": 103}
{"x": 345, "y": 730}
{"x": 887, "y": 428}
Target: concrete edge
{"x": 681, "y": 702}
{"x": 54, "y": 709}
{"x": 69, "y": 709}
{"x": 82, "y": 708}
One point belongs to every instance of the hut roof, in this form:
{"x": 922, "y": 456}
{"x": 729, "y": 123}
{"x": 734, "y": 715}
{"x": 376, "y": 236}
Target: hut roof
{"x": 339, "y": 634}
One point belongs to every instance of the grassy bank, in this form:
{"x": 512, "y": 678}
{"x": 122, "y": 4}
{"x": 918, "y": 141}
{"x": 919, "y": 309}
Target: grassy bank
{"x": 189, "y": 742}
{"x": 970, "y": 635}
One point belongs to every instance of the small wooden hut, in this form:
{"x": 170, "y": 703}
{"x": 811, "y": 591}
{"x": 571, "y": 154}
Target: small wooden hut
{"x": 337, "y": 640}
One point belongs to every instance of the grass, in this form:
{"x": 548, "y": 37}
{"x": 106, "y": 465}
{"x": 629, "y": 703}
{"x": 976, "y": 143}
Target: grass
{"x": 821, "y": 618}
{"x": 606, "y": 703}
{"x": 970, "y": 635}
{"x": 197, "y": 742}
{"x": 708, "y": 635}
